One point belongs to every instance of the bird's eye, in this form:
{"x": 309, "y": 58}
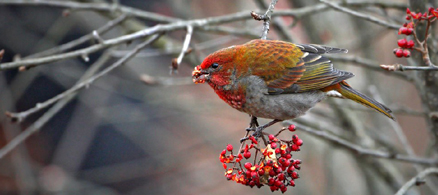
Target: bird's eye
{"x": 215, "y": 65}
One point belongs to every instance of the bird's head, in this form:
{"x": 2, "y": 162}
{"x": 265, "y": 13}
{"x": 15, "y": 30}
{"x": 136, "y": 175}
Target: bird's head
{"x": 217, "y": 68}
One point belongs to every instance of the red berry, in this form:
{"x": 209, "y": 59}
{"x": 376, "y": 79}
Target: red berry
{"x": 409, "y": 31}
{"x": 271, "y": 181}
{"x": 247, "y": 165}
{"x": 273, "y": 145}
{"x": 248, "y": 173}
{"x": 283, "y": 189}
{"x": 273, "y": 188}
{"x": 402, "y": 43}
{"x": 223, "y": 152}
{"x": 252, "y": 184}
{"x": 282, "y": 160}
{"x": 291, "y": 127}
{"x": 408, "y": 17}
{"x": 271, "y": 137}
{"x": 294, "y": 137}
{"x": 295, "y": 147}
{"x": 398, "y": 53}
{"x": 406, "y": 53}
{"x": 270, "y": 163}
{"x": 290, "y": 169}
{"x": 281, "y": 176}
{"x": 288, "y": 156}
{"x": 254, "y": 174}
{"x": 272, "y": 173}
{"x": 278, "y": 183}
{"x": 410, "y": 44}
{"x": 292, "y": 183}
{"x": 277, "y": 151}
{"x": 295, "y": 175}
{"x": 299, "y": 142}
{"x": 224, "y": 165}
{"x": 408, "y": 11}
{"x": 402, "y": 30}
{"x": 247, "y": 154}
{"x": 261, "y": 172}
{"x": 230, "y": 147}
{"x": 279, "y": 170}
{"x": 286, "y": 163}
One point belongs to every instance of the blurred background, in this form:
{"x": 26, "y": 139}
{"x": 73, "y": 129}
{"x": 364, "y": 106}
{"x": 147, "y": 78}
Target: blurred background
{"x": 122, "y": 135}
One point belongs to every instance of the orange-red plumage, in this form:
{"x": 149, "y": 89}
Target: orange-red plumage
{"x": 276, "y": 79}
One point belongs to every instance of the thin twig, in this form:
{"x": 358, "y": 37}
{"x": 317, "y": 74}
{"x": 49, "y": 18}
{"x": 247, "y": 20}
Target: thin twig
{"x": 53, "y": 110}
{"x": 417, "y": 180}
{"x": 381, "y": 4}
{"x": 2, "y": 52}
{"x": 198, "y": 23}
{"x": 177, "y": 62}
{"x": 399, "y": 67}
{"x": 64, "y": 47}
{"x": 361, "y": 15}
{"x": 281, "y": 29}
{"x": 102, "y": 7}
{"x": 22, "y": 115}
{"x": 363, "y": 151}
{"x": 266, "y": 18}
{"x": 369, "y": 64}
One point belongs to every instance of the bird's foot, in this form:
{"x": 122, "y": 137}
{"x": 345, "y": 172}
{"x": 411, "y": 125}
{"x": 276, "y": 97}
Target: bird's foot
{"x": 258, "y": 130}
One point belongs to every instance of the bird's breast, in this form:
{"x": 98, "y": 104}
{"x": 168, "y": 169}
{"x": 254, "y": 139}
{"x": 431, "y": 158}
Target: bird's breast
{"x": 233, "y": 95}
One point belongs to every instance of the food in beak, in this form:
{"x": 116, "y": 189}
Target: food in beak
{"x": 198, "y": 76}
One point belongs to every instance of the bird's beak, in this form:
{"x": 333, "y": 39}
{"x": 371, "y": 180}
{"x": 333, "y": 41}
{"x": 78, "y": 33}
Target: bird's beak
{"x": 199, "y": 75}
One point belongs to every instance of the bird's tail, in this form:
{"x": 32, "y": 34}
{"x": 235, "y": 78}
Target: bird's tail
{"x": 360, "y": 98}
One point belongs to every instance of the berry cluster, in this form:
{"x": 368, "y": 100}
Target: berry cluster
{"x": 271, "y": 165}
{"x": 408, "y": 29}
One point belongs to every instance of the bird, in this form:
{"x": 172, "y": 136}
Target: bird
{"x": 277, "y": 80}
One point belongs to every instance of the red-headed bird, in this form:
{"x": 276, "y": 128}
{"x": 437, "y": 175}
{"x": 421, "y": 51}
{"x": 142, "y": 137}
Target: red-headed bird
{"x": 276, "y": 79}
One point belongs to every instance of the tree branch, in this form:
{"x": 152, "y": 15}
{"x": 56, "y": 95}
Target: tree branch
{"x": 361, "y": 15}
{"x": 417, "y": 180}
{"x": 102, "y": 7}
{"x": 197, "y": 23}
{"x": 363, "y": 151}
{"x": 400, "y": 67}
{"x": 22, "y": 115}
{"x": 177, "y": 62}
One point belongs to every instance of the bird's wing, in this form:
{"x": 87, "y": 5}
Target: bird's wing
{"x": 318, "y": 71}
{"x": 278, "y": 63}
{"x": 319, "y": 74}
{"x": 320, "y": 49}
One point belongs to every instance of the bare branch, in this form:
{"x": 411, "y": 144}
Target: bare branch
{"x": 361, "y": 15}
{"x": 94, "y": 7}
{"x": 2, "y": 52}
{"x": 369, "y": 64}
{"x": 22, "y": 115}
{"x": 198, "y": 23}
{"x": 53, "y": 110}
{"x": 108, "y": 26}
{"x": 266, "y": 18}
{"x": 166, "y": 81}
{"x": 363, "y": 151}
{"x": 417, "y": 180}
{"x": 184, "y": 49}
{"x": 399, "y": 67}
{"x": 381, "y": 4}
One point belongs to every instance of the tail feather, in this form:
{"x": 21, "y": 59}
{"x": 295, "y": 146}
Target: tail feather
{"x": 360, "y": 98}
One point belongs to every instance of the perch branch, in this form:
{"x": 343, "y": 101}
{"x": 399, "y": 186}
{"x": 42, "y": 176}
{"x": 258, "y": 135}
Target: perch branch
{"x": 417, "y": 180}
{"x": 363, "y": 151}
{"x": 22, "y": 115}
